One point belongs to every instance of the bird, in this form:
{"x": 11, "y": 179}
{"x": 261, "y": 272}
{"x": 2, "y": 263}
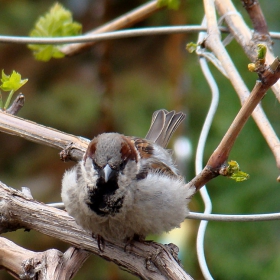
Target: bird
{"x": 127, "y": 187}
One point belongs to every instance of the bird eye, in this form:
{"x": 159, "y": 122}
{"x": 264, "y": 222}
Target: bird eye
{"x": 122, "y": 165}
{"x": 95, "y": 165}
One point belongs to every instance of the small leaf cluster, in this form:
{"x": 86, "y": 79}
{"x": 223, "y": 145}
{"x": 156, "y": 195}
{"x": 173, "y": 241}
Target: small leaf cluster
{"x": 260, "y": 61}
{"x": 58, "y": 22}
{"x": 10, "y": 83}
{"x": 191, "y": 47}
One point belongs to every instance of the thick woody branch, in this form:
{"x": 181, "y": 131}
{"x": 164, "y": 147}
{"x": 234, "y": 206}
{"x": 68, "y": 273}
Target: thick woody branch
{"x": 48, "y": 265}
{"x": 73, "y": 145}
{"x": 123, "y": 21}
{"x": 146, "y": 260}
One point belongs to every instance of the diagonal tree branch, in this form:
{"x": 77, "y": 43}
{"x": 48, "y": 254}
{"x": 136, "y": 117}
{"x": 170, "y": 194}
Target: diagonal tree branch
{"x": 214, "y": 43}
{"x": 34, "y": 132}
{"x": 123, "y": 21}
{"x": 243, "y": 36}
{"x": 217, "y": 161}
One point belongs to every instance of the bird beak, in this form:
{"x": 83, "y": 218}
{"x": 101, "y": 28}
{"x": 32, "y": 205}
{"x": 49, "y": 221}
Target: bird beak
{"x": 107, "y": 173}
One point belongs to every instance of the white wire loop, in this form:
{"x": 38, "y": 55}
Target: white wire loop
{"x": 199, "y": 166}
{"x": 199, "y": 157}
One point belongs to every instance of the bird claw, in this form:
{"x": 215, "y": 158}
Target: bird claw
{"x": 100, "y": 242}
{"x": 138, "y": 238}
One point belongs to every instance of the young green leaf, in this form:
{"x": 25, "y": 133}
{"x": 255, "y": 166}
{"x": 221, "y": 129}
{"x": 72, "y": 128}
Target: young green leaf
{"x": 191, "y": 47}
{"x": 12, "y": 82}
{"x": 234, "y": 172}
{"x": 171, "y": 4}
{"x": 261, "y": 49}
{"x": 58, "y": 22}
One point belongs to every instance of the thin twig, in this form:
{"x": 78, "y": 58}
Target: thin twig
{"x": 123, "y": 21}
{"x": 220, "y": 155}
{"x": 268, "y": 77}
{"x": 261, "y": 32}
{"x": 16, "y": 105}
{"x": 243, "y": 35}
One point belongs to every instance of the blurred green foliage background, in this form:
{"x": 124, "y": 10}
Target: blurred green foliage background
{"x": 116, "y": 86}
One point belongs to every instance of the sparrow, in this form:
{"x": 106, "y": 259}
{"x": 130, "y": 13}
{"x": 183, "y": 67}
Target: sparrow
{"x": 126, "y": 187}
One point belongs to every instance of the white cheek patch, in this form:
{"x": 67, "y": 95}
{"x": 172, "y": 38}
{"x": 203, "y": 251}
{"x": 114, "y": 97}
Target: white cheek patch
{"x": 88, "y": 174}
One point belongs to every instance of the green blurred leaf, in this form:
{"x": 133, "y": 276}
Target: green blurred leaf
{"x": 234, "y": 172}
{"x": 58, "y": 22}
{"x": 262, "y": 51}
{"x": 171, "y": 4}
{"x": 191, "y": 47}
{"x": 11, "y": 82}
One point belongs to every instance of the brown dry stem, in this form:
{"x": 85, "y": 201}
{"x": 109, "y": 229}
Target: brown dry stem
{"x": 34, "y": 132}
{"x": 16, "y": 105}
{"x": 220, "y": 156}
{"x": 123, "y": 21}
{"x": 241, "y": 32}
{"x": 268, "y": 77}
{"x": 261, "y": 33}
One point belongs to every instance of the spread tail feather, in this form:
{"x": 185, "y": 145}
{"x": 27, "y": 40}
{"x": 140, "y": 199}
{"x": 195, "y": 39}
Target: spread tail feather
{"x": 163, "y": 125}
